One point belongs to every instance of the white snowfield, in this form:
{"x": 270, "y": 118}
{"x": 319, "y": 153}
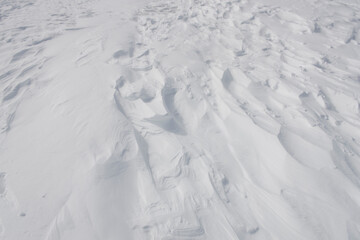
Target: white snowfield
{"x": 179, "y": 119}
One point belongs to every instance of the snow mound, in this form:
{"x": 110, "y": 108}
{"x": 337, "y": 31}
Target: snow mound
{"x": 191, "y": 119}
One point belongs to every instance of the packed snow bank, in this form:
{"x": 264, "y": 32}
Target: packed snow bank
{"x": 179, "y": 119}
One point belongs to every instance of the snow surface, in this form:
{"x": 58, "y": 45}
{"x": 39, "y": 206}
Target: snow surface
{"x": 179, "y": 119}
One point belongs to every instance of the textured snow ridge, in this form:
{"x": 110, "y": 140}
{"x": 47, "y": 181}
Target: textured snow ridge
{"x": 179, "y": 119}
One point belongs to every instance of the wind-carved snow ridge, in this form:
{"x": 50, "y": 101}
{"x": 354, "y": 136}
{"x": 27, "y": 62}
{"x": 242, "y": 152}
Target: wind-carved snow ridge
{"x": 191, "y": 119}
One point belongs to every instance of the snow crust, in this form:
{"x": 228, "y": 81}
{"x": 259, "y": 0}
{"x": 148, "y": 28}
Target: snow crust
{"x": 179, "y": 119}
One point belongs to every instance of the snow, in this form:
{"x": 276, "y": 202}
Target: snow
{"x": 189, "y": 119}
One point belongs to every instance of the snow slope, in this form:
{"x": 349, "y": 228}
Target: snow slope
{"x": 187, "y": 119}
